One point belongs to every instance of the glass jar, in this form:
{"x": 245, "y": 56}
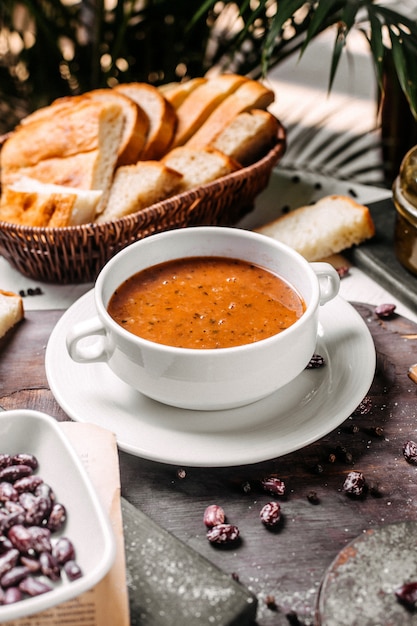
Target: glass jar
{"x": 405, "y": 200}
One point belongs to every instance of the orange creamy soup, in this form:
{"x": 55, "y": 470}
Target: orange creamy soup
{"x": 205, "y": 302}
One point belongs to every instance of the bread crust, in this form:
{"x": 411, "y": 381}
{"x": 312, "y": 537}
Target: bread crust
{"x": 11, "y": 311}
{"x": 198, "y": 106}
{"x": 248, "y": 136}
{"x": 249, "y": 95}
{"x": 176, "y": 93}
{"x": 332, "y": 224}
{"x": 161, "y": 115}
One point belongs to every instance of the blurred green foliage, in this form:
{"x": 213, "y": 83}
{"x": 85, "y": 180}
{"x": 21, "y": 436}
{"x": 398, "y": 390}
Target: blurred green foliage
{"x": 51, "y": 48}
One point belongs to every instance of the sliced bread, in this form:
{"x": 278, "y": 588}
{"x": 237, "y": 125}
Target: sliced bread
{"x": 135, "y": 127}
{"x": 161, "y": 115}
{"x": 176, "y": 93}
{"x": 201, "y": 102}
{"x": 64, "y": 132}
{"x": 249, "y": 95}
{"x": 136, "y": 187}
{"x": 82, "y": 153}
{"x": 11, "y": 311}
{"x": 248, "y": 137}
{"x": 32, "y": 203}
{"x": 316, "y": 231}
{"x": 199, "y": 167}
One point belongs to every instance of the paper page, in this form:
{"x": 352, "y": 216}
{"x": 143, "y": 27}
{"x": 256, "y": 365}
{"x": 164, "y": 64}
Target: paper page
{"x": 107, "y": 603}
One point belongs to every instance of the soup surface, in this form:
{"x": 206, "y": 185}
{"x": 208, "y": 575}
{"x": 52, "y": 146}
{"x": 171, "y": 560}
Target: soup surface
{"x": 205, "y": 302}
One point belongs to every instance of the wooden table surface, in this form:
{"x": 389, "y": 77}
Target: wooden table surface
{"x": 286, "y": 565}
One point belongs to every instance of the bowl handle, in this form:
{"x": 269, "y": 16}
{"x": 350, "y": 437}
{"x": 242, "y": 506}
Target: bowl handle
{"x": 329, "y": 281}
{"x": 88, "y": 352}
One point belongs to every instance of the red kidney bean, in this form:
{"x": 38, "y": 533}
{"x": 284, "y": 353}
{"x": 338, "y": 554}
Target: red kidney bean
{"x": 36, "y": 507}
{"x": 13, "y": 577}
{"x": 49, "y": 566}
{"x": 40, "y": 539}
{"x": 33, "y": 586}
{"x": 63, "y": 550}
{"x": 25, "y": 459}
{"x": 8, "y": 492}
{"x": 28, "y": 483}
{"x": 57, "y": 517}
{"x": 213, "y": 515}
{"x": 29, "y": 515}
{"x": 223, "y": 534}
{"x": 8, "y": 560}
{"x": 5, "y": 460}
{"x": 72, "y": 570}
{"x": 12, "y": 595}
{"x": 31, "y": 563}
{"x": 12, "y": 473}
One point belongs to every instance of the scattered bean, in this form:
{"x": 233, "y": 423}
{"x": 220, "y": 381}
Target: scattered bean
{"x": 354, "y": 484}
{"x": 274, "y": 485}
{"x": 223, "y": 534}
{"x": 315, "y": 362}
{"x": 407, "y": 594}
{"x": 384, "y": 311}
{"x": 410, "y": 452}
{"x": 313, "y": 497}
{"x": 343, "y": 271}
{"x": 364, "y": 407}
{"x": 213, "y": 515}
{"x": 271, "y": 514}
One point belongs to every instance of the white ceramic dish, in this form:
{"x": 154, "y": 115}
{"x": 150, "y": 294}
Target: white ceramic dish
{"x": 210, "y": 379}
{"x": 87, "y": 525}
{"x": 303, "y": 411}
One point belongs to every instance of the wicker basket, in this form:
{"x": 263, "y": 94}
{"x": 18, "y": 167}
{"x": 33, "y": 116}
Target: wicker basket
{"x": 76, "y": 254}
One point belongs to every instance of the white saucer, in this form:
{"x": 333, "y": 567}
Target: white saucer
{"x": 302, "y": 412}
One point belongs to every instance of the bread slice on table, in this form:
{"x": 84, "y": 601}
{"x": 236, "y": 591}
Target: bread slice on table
{"x": 316, "y": 231}
{"x": 136, "y": 187}
{"x": 249, "y": 95}
{"x": 32, "y": 203}
{"x": 176, "y": 93}
{"x": 248, "y": 137}
{"x": 160, "y": 113}
{"x": 199, "y": 167}
{"x": 81, "y": 150}
{"x": 11, "y": 311}
{"x": 201, "y": 102}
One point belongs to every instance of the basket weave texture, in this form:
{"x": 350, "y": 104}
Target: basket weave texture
{"x": 76, "y": 254}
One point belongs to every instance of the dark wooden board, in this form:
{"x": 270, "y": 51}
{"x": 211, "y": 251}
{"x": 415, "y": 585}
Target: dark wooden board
{"x": 290, "y": 563}
{"x": 377, "y": 256}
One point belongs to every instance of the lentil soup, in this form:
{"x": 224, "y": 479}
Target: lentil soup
{"x": 205, "y": 302}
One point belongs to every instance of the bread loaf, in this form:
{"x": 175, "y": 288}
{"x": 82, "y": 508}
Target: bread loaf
{"x": 201, "y": 102}
{"x": 135, "y": 121}
{"x": 75, "y": 147}
{"x": 248, "y": 137}
{"x": 199, "y": 167}
{"x": 136, "y": 187}
{"x": 161, "y": 116}
{"x": 316, "y": 231}
{"x": 60, "y": 164}
{"x": 11, "y": 311}
{"x": 251, "y": 94}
